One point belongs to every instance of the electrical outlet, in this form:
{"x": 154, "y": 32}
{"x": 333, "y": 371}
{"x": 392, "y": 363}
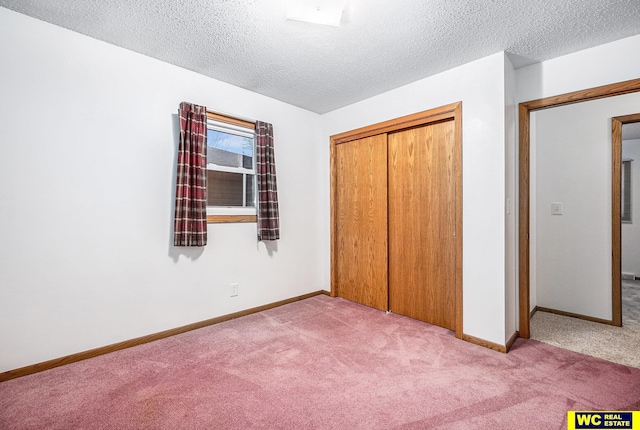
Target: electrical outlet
{"x": 233, "y": 291}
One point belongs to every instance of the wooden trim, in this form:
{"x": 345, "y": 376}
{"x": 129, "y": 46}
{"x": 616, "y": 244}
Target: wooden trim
{"x": 533, "y": 312}
{"x": 333, "y": 216}
{"x": 603, "y": 91}
{"x": 457, "y": 117}
{"x": 572, "y": 315}
{"x": 485, "y": 343}
{"x": 525, "y": 108}
{"x": 491, "y": 345}
{"x": 616, "y": 223}
{"x": 215, "y": 219}
{"x": 523, "y": 233}
{"x": 511, "y": 341}
{"x": 451, "y": 111}
{"x": 628, "y": 119}
{"x": 50, "y": 364}
{"x": 213, "y": 116}
{"x": 387, "y": 201}
{"x": 417, "y": 119}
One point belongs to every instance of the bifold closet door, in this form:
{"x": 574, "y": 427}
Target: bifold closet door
{"x": 361, "y": 228}
{"x": 422, "y": 247}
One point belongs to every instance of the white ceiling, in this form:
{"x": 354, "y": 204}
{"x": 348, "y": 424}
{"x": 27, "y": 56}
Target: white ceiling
{"x": 381, "y": 44}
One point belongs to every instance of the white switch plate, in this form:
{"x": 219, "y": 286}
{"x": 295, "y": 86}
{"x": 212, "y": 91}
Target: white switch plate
{"x": 556, "y": 208}
{"x": 233, "y": 290}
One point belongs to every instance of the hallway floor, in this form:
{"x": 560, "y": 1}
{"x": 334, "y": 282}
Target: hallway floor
{"x": 617, "y": 344}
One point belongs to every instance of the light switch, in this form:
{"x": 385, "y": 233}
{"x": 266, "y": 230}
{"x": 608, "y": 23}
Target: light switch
{"x": 556, "y": 208}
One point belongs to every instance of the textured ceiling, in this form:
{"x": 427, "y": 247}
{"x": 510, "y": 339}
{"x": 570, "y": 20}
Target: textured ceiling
{"x": 381, "y": 44}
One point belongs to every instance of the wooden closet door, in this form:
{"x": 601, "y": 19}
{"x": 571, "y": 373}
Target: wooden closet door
{"x": 422, "y": 210}
{"x": 362, "y": 221}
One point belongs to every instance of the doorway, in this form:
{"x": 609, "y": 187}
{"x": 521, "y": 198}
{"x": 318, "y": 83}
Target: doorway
{"x": 396, "y": 216}
{"x": 524, "y": 198}
{"x": 626, "y": 133}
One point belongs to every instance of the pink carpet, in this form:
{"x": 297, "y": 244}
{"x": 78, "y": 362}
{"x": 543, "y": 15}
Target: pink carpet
{"x": 320, "y": 363}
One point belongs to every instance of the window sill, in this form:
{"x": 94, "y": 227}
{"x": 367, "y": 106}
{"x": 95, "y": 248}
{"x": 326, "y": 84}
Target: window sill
{"x": 216, "y": 219}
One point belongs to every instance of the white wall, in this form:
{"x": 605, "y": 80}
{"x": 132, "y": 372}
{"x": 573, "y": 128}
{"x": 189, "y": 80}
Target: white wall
{"x": 511, "y": 217}
{"x": 631, "y": 232}
{"x": 480, "y": 86}
{"x": 87, "y": 176}
{"x": 573, "y": 163}
{"x": 601, "y": 65}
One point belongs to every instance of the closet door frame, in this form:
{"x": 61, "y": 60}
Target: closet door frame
{"x": 444, "y": 113}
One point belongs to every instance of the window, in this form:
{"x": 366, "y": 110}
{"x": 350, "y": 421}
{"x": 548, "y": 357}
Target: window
{"x": 626, "y": 191}
{"x": 231, "y": 170}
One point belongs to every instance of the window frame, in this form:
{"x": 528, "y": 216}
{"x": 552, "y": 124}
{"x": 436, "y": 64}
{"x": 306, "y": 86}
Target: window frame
{"x": 626, "y": 196}
{"x": 233, "y": 214}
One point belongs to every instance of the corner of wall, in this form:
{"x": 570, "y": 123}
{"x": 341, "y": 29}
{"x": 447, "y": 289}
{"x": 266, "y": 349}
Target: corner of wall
{"x": 511, "y": 204}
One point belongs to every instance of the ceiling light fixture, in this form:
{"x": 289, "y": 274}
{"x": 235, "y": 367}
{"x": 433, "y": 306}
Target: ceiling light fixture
{"x": 317, "y": 12}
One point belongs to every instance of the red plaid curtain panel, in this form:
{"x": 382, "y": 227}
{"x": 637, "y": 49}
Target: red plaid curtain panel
{"x": 268, "y": 218}
{"x": 190, "y": 222}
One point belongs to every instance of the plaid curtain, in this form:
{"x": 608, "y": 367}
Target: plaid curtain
{"x": 190, "y": 223}
{"x": 268, "y": 219}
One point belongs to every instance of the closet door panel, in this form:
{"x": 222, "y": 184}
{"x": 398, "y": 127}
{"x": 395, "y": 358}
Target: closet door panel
{"x": 422, "y": 210}
{"x": 362, "y": 221}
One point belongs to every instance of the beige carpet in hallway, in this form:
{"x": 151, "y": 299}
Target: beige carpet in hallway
{"x": 616, "y": 344}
